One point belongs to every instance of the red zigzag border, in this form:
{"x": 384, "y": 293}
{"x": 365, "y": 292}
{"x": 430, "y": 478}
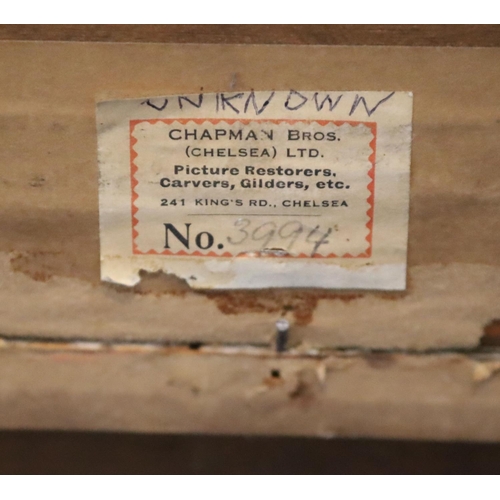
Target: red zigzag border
{"x": 371, "y": 186}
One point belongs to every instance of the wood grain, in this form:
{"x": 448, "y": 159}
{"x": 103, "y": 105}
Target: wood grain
{"x": 323, "y": 34}
{"x": 395, "y": 396}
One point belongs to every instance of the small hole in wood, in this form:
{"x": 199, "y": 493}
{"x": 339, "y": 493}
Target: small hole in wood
{"x": 491, "y": 334}
{"x": 275, "y": 374}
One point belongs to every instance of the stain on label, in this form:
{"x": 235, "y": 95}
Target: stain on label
{"x": 257, "y": 189}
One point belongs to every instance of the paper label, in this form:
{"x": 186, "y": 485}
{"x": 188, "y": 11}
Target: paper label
{"x": 257, "y": 189}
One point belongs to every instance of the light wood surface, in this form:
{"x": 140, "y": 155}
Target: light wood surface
{"x": 50, "y": 241}
{"x": 49, "y": 261}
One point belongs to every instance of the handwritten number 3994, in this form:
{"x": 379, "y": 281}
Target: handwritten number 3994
{"x": 285, "y": 235}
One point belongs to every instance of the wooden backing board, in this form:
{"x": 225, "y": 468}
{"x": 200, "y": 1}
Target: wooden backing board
{"x": 465, "y": 35}
{"x": 250, "y": 391}
{"x": 49, "y": 244}
{"x": 49, "y": 248}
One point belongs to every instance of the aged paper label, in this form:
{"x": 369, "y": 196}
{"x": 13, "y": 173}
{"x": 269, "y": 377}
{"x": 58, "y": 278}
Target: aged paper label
{"x": 257, "y": 189}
